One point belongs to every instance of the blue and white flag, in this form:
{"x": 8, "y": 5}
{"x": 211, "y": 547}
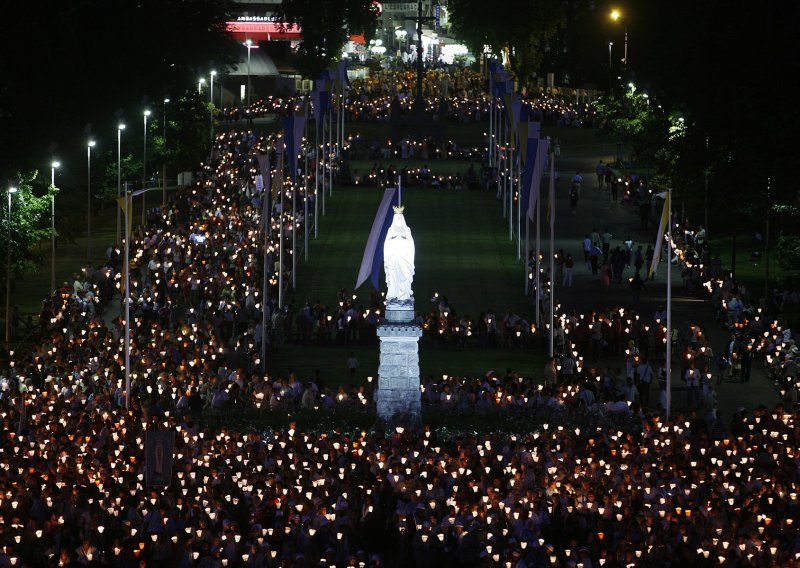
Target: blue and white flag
{"x": 373, "y": 253}
{"x": 266, "y": 198}
{"x": 537, "y": 172}
{"x": 293, "y": 127}
{"x": 529, "y": 154}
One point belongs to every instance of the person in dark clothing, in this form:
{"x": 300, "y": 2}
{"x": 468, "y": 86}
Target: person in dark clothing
{"x": 637, "y": 285}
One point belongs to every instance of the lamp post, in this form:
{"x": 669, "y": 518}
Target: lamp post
{"x": 200, "y": 83}
{"x": 53, "y": 166}
{"x": 164, "y": 165}
{"x": 610, "y": 66}
{"x": 144, "y": 165}
{"x": 120, "y": 128}
{"x": 89, "y": 146}
{"x": 248, "y": 43}
{"x": 211, "y": 109}
{"x": 616, "y": 16}
{"x": 11, "y": 190}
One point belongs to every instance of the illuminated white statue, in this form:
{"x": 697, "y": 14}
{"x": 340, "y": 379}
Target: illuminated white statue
{"x": 398, "y": 261}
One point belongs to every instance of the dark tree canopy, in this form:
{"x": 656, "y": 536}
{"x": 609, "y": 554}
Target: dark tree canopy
{"x": 727, "y": 66}
{"x": 88, "y": 58}
{"x": 520, "y": 28}
{"x": 326, "y": 27}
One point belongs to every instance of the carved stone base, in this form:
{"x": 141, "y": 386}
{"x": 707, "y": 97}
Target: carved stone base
{"x": 398, "y": 398}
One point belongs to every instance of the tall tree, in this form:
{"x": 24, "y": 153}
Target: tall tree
{"x": 325, "y": 27}
{"x": 28, "y": 224}
{"x": 520, "y": 28}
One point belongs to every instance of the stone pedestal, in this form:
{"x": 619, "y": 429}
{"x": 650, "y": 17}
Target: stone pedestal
{"x": 398, "y": 399}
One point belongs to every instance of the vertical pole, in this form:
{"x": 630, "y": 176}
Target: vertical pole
{"x": 503, "y": 167}
{"x": 317, "y": 158}
{"x": 330, "y": 152}
{"x": 511, "y": 191}
{"x": 53, "y": 231}
{"x": 249, "y": 46}
{"x": 766, "y": 249}
{"x": 280, "y": 225}
{"x": 8, "y": 272}
{"x": 293, "y": 180}
{"x": 127, "y": 307}
{"x": 552, "y": 197}
{"x": 490, "y": 140}
{"x": 538, "y": 254}
{"x": 164, "y": 165}
{"x": 119, "y": 179}
{"x": 527, "y": 253}
{"x": 519, "y": 207}
{"x": 669, "y": 305}
{"x": 305, "y": 191}
{"x": 144, "y": 168}
{"x": 89, "y": 201}
{"x": 265, "y": 269}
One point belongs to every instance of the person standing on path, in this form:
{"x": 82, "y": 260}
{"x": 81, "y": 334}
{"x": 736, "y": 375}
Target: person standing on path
{"x": 605, "y": 240}
{"x": 587, "y": 251}
{"x": 559, "y": 266}
{"x": 352, "y": 364}
{"x": 594, "y": 258}
{"x": 644, "y": 373}
{"x": 637, "y": 285}
{"x": 569, "y": 262}
{"x": 600, "y": 170}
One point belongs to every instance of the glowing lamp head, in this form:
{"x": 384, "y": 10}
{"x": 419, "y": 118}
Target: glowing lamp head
{"x": 91, "y": 143}
{"x": 121, "y": 126}
{"x": 147, "y": 112}
{"x": 616, "y": 15}
{"x": 56, "y": 164}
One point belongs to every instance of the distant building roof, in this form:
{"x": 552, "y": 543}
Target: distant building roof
{"x": 261, "y": 64}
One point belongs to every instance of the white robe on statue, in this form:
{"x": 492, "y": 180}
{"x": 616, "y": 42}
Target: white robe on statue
{"x": 398, "y": 261}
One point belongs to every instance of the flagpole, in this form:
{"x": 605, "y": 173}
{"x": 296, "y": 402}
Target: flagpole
{"x": 293, "y": 180}
{"x": 265, "y": 281}
{"x": 502, "y": 164}
{"x": 490, "y": 140}
{"x": 511, "y": 194}
{"x": 127, "y": 303}
{"x": 669, "y": 304}
{"x": 331, "y": 150}
{"x": 538, "y": 251}
{"x": 527, "y": 252}
{"x": 305, "y": 191}
{"x": 399, "y": 192}
{"x": 552, "y": 199}
{"x": 280, "y": 225}
{"x": 519, "y": 206}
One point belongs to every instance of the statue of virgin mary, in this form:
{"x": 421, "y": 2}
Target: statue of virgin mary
{"x": 398, "y": 261}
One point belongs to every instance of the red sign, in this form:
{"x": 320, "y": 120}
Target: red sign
{"x": 262, "y": 30}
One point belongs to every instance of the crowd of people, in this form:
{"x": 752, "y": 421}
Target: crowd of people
{"x": 561, "y": 491}
{"x": 689, "y": 490}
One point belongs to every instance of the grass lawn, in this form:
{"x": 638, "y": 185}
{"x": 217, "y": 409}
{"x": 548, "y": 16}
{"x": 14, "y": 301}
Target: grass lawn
{"x": 331, "y": 361}
{"x": 749, "y": 271}
{"x": 462, "y": 250}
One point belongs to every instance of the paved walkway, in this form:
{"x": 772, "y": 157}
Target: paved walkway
{"x": 595, "y": 209}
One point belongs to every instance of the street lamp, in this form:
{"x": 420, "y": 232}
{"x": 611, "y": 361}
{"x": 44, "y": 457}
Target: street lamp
{"x": 248, "y": 43}
{"x": 610, "y": 45}
{"x": 11, "y": 190}
{"x": 616, "y": 16}
{"x": 53, "y": 166}
{"x": 200, "y": 84}
{"x": 89, "y": 146}
{"x": 164, "y": 166}
{"x": 211, "y": 108}
{"x": 120, "y": 128}
{"x": 144, "y": 164}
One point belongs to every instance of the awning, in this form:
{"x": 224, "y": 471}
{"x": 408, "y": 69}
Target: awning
{"x": 261, "y": 64}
